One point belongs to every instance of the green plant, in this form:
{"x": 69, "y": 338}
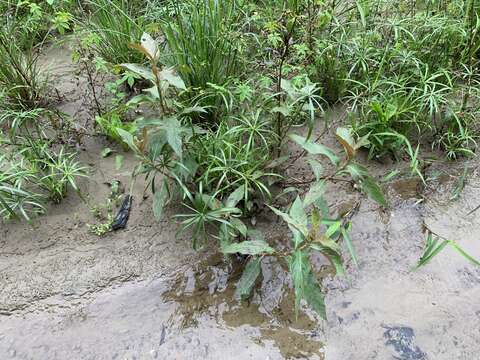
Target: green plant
{"x": 20, "y": 75}
{"x": 31, "y": 171}
{"x": 435, "y": 244}
{"x": 314, "y": 232}
{"x": 116, "y": 25}
{"x": 202, "y": 46}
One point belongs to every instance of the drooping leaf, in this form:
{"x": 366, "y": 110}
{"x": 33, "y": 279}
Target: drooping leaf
{"x": 313, "y": 295}
{"x": 333, "y": 255}
{"x": 348, "y": 242}
{"x": 160, "y": 198}
{"x": 333, "y": 228}
{"x": 297, "y": 212}
{"x": 253, "y": 247}
{"x": 299, "y": 269}
{"x": 148, "y": 47}
{"x": 315, "y": 148}
{"x": 292, "y": 224}
{"x": 367, "y": 183}
{"x": 345, "y": 138}
{"x": 254, "y": 234}
{"x": 172, "y": 78}
{"x": 284, "y": 110}
{"x": 249, "y": 277}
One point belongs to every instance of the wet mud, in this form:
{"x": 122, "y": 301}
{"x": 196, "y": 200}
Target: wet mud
{"x": 143, "y": 293}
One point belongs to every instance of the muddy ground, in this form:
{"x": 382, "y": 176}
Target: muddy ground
{"x": 143, "y": 293}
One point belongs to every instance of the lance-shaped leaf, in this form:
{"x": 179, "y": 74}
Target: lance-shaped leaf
{"x": 292, "y": 224}
{"x": 315, "y": 148}
{"x": 253, "y": 247}
{"x": 160, "y": 198}
{"x": 249, "y": 276}
{"x": 313, "y": 295}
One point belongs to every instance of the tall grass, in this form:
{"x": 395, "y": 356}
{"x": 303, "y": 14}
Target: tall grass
{"x": 200, "y": 42}
{"x": 20, "y": 75}
{"x": 116, "y": 25}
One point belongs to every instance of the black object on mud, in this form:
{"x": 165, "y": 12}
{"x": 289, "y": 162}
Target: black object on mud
{"x": 121, "y": 219}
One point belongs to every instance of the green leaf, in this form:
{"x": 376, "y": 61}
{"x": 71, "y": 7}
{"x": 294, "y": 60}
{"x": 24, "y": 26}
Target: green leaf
{"x": 127, "y": 138}
{"x": 373, "y": 190}
{"x": 284, "y": 110}
{"x": 253, "y": 247}
{"x": 317, "y": 168}
{"x": 292, "y": 224}
{"x": 315, "y": 192}
{"x": 432, "y": 248}
{"x": 297, "y": 212}
{"x": 140, "y": 70}
{"x": 249, "y": 277}
{"x": 106, "y": 152}
{"x": 333, "y": 228}
{"x": 172, "y": 78}
{"x": 299, "y": 268}
{"x": 333, "y": 255}
{"x": 235, "y": 197}
{"x": 254, "y": 234}
{"x": 174, "y": 132}
{"x": 348, "y": 242}
{"x": 315, "y": 148}
{"x": 313, "y": 295}
{"x": 239, "y": 225}
{"x": 119, "y": 162}
{"x": 160, "y": 198}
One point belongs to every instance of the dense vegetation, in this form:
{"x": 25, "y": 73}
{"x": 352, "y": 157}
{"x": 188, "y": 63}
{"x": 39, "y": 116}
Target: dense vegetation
{"x": 230, "y": 86}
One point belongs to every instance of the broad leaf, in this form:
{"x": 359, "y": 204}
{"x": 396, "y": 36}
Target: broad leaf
{"x": 172, "y": 78}
{"x": 373, "y": 190}
{"x": 141, "y": 70}
{"x": 254, "y": 247}
{"x": 174, "y": 132}
{"x": 314, "y": 193}
{"x": 291, "y": 222}
{"x": 315, "y": 148}
{"x": 127, "y": 138}
{"x": 317, "y": 168}
{"x": 249, "y": 277}
{"x": 235, "y": 197}
{"x": 239, "y": 225}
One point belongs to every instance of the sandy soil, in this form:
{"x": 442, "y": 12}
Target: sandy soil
{"x": 143, "y": 293}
